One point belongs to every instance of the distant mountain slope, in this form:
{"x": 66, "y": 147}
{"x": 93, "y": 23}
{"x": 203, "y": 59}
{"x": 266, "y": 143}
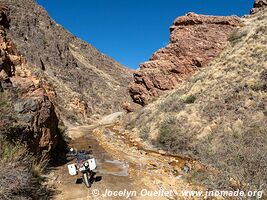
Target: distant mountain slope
{"x": 79, "y": 78}
{"x": 219, "y": 115}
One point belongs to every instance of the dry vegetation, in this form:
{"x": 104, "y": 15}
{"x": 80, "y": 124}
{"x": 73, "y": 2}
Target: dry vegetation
{"x": 219, "y": 115}
{"x": 21, "y": 174}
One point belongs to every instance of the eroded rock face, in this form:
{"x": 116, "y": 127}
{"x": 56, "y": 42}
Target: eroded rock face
{"x": 27, "y": 114}
{"x": 194, "y": 41}
{"x": 85, "y": 83}
{"x": 258, "y": 6}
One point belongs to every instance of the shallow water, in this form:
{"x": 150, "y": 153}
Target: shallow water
{"x": 112, "y": 167}
{"x": 104, "y": 161}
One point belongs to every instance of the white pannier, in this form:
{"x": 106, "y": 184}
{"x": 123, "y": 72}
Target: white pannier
{"x": 72, "y": 169}
{"x": 92, "y": 163}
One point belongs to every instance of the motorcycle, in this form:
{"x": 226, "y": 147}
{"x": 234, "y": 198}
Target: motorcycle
{"x": 84, "y": 164}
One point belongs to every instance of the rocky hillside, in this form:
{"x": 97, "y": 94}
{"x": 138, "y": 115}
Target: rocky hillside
{"x": 26, "y": 114}
{"x": 194, "y": 41}
{"x": 28, "y": 123}
{"x": 258, "y": 6}
{"x": 78, "y": 78}
{"x": 218, "y": 115}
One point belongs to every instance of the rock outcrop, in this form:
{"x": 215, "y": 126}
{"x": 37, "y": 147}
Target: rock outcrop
{"x": 82, "y": 82}
{"x": 258, "y": 6}
{"x": 194, "y": 41}
{"x": 219, "y": 115}
{"x": 27, "y": 114}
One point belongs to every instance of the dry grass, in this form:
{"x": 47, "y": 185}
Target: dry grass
{"x": 5, "y": 106}
{"x": 11, "y": 152}
{"x": 144, "y": 133}
{"x": 38, "y": 167}
{"x": 14, "y": 174}
{"x": 220, "y": 112}
{"x": 21, "y": 174}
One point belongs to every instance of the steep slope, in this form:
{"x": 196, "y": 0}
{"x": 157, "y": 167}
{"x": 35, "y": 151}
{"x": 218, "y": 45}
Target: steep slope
{"x": 219, "y": 115}
{"x": 28, "y": 124}
{"x": 26, "y": 114}
{"x": 194, "y": 41}
{"x": 81, "y": 80}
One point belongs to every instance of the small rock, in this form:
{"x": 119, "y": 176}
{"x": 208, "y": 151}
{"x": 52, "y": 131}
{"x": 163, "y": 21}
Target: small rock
{"x": 186, "y": 169}
{"x": 179, "y": 177}
{"x": 18, "y": 107}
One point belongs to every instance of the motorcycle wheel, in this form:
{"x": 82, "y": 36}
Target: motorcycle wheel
{"x": 86, "y": 180}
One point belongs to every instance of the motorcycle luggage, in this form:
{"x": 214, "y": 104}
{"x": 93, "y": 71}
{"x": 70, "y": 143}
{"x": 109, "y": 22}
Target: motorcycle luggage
{"x": 92, "y": 163}
{"x": 72, "y": 169}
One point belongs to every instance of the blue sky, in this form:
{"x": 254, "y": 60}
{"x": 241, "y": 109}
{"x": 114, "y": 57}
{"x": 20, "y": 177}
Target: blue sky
{"x": 131, "y": 30}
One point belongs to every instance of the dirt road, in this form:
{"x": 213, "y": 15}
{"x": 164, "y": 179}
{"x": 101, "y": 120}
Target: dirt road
{"x": 125, "y": 171}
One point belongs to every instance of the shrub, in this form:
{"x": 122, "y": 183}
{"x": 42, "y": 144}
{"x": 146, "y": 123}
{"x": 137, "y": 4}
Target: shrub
{"x": 173, "y": 103}
{"x": 13, "y": 154}
{"x": 20, "y": 173}
{"x": 10, "y": 152}
{"x": 236, "y": 36}
{"x": 130, "y": 125}
{"x": 261, "y": 30}
{"x": 72, "y": 117}
{"x": 38, "y": 167}
{"x": 171, "y": 137}
{"x": 241, "y": 156}
{"x": 189, "y": 99}
{"x": 2, "y": 102}
{"x": 144, "y": 132}
{"x": 4, "y": 105}
{"x": 167, "y": 130}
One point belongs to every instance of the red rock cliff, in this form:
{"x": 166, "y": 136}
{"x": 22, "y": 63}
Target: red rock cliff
{"x": 194, "y": 41}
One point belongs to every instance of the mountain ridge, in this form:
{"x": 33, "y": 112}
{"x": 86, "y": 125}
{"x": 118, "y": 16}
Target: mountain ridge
{"x": 82, "y": 80}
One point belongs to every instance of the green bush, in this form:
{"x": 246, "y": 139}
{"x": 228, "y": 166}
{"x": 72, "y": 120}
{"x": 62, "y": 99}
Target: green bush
{"x": 190, "y": 99}
{"x": 171, "y": 137}
{"x": 167, "y": 130}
